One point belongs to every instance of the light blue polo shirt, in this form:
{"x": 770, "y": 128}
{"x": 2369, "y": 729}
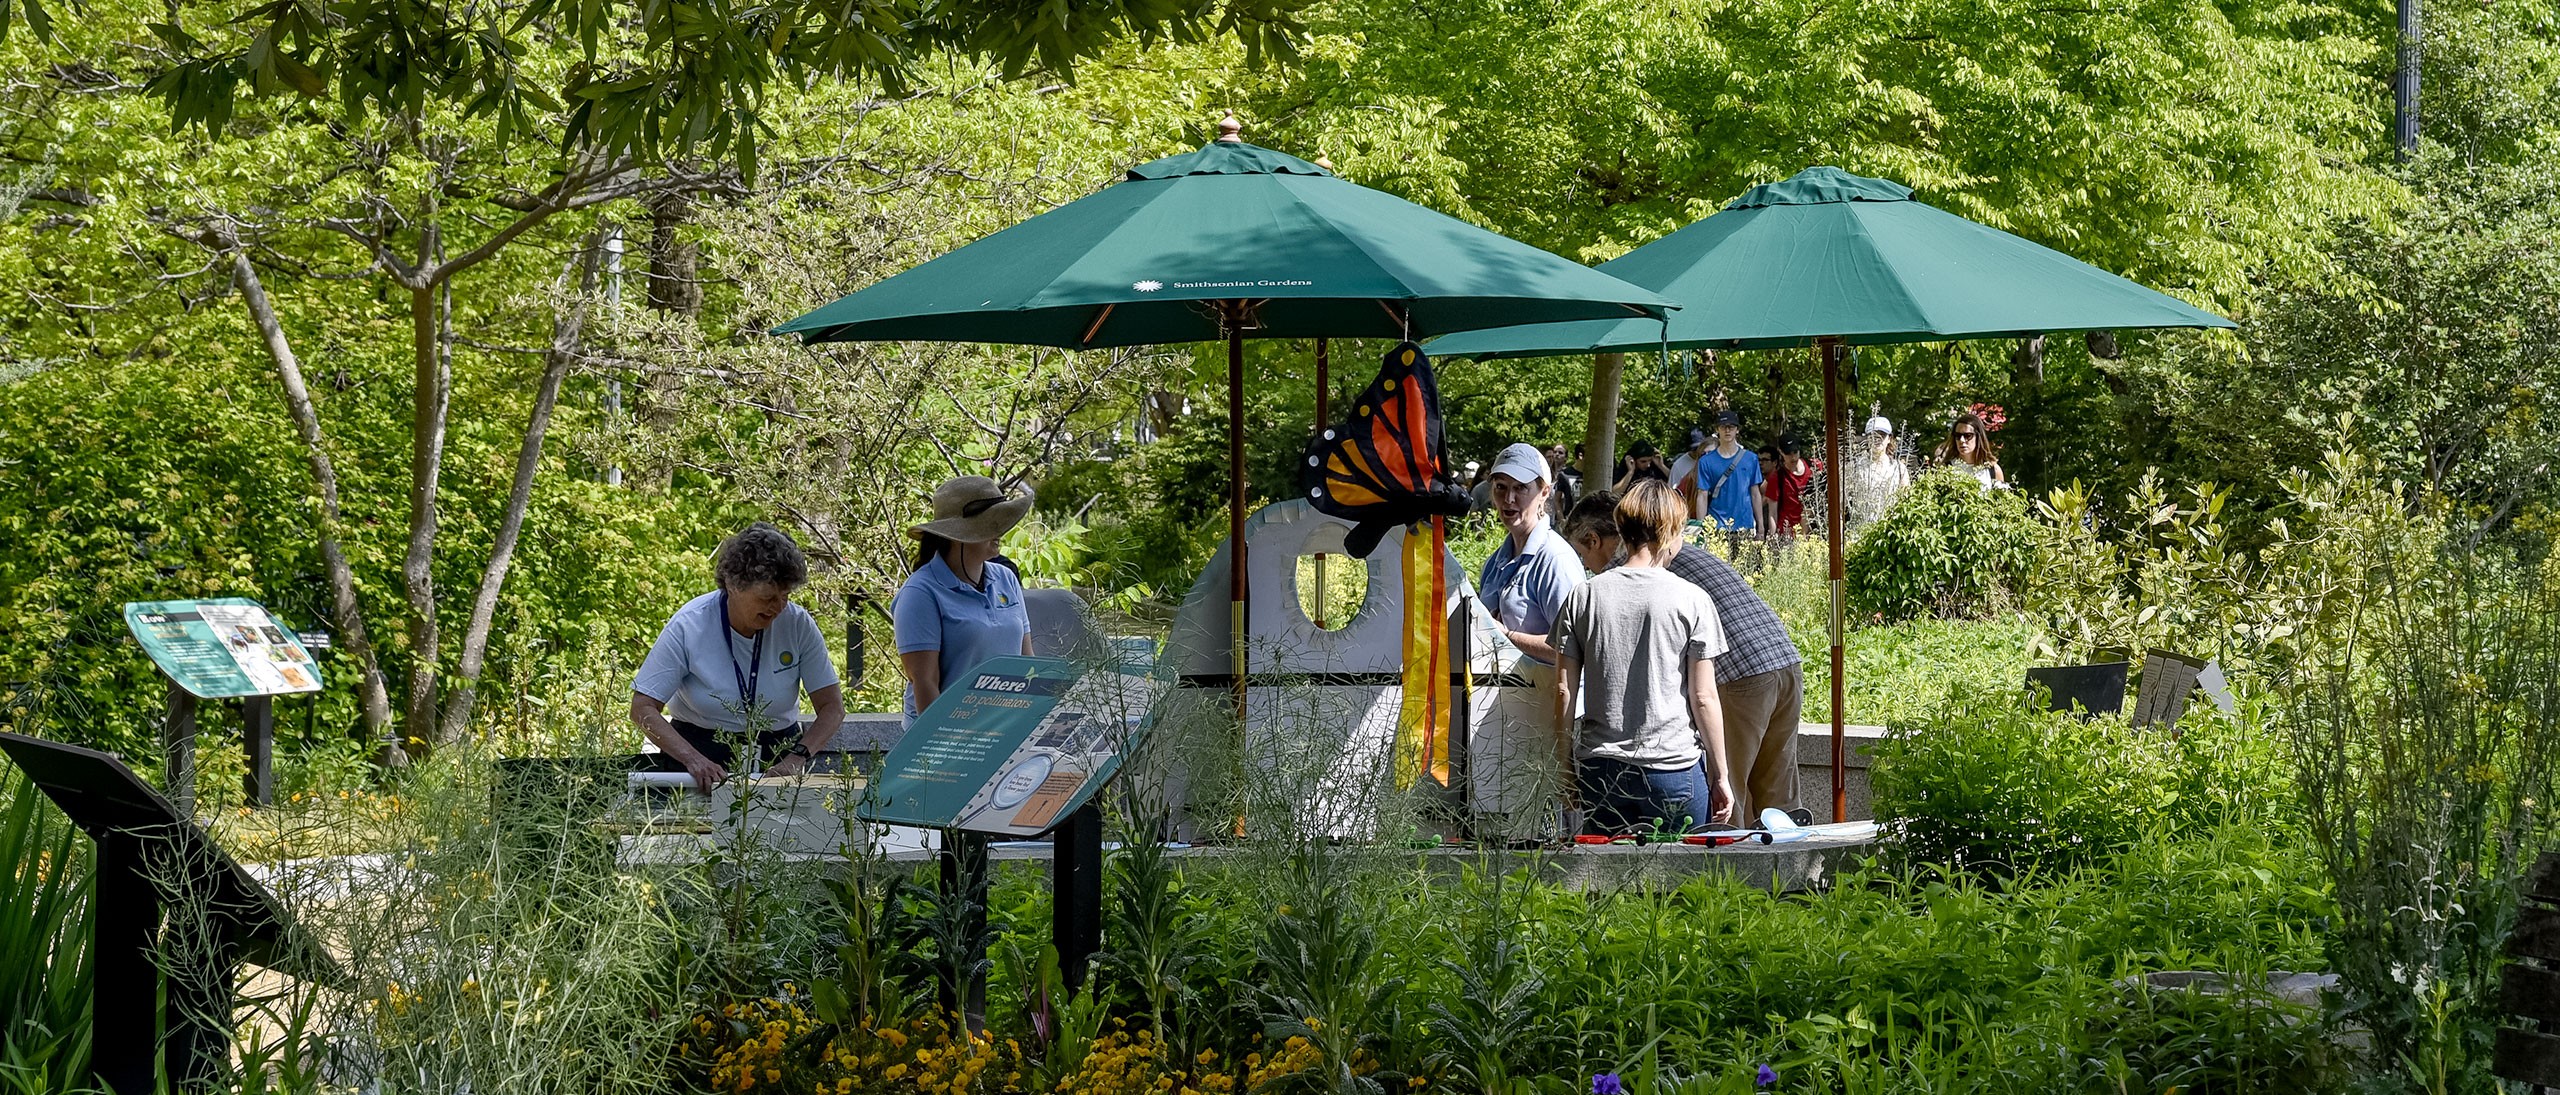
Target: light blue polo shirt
{"x": 693, "y": 667}
{"x": 1523, "y": 589}
{"x": 937, "y": 611}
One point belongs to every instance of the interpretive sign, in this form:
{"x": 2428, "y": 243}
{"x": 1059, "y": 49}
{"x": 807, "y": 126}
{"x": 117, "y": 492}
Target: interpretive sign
{"x": 1011, "y": 749}
{"x": 222, "y": 649}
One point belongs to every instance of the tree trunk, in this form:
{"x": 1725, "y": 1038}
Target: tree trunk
{"x": 565, "y": 334}
{"x": 1600, "y": 434}
{"x": 375, "y": 700}
{"x": 434, "y": 379}
{"x": 675, "y": 266}
{"x": 675, "y": 289}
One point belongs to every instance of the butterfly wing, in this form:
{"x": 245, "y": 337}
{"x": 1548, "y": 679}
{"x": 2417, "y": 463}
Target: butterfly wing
{"x": 1385, "y": 464}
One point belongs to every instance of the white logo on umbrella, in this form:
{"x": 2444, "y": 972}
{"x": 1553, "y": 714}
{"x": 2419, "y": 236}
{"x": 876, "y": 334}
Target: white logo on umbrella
{"x": 1148, "y": 286}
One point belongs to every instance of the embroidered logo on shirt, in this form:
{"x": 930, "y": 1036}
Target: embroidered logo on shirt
{"x": 786, "y": 659}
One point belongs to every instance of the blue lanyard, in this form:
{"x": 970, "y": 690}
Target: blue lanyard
{"x": 755, "y": 658}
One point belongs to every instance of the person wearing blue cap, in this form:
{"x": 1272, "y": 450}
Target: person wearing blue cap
{"x": 1526, "y": 579}
{"x": 1726, "y": 482}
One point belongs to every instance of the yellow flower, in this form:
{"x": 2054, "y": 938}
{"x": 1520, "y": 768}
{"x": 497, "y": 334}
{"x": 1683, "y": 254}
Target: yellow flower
{"x": 894, "y": 1072}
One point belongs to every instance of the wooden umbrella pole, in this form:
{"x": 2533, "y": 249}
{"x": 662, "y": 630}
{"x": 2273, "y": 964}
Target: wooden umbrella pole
{"x": 1235, "y": 495}
{"x": 1324, "y": 392}
{"x": 1828, "y": 350}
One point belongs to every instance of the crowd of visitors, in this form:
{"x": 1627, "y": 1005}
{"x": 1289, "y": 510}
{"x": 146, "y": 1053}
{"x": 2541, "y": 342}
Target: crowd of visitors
{"x": 1773, "y": 492}
{"x": 1678, "y": 690}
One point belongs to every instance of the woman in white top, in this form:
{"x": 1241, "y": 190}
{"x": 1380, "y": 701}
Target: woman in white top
{"x": 1968, "y": 446}
{"x": 729, "y": 668}
{"x": 1877, "y": 476}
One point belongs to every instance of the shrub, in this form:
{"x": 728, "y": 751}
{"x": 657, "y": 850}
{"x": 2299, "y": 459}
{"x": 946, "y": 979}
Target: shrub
{"x": 1990, "y": 784}
{"x": 1947, "y": 548}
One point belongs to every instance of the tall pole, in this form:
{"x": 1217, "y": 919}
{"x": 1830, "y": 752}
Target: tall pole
{"x": 2404, "y": 85}
{"x": 1235, "y": 494}
{"x": 1833, "y": 411}
{"x": 1324, "y": 414}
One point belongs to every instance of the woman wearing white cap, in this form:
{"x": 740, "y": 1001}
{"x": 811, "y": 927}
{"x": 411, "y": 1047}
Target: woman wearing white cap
{"x": 1526, "y": 579}
{"x": 1877, "y": 476}
{"x": 959, "y": 607}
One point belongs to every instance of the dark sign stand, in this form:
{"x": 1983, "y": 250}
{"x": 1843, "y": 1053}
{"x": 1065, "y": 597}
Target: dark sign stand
{"x": 178, "y": 744}
{"x": 1075, "y": 891}
{"x": 153, "y": 862}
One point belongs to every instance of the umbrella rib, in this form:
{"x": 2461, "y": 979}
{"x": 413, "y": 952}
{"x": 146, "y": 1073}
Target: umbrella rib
{"x": 1095, "y": 326}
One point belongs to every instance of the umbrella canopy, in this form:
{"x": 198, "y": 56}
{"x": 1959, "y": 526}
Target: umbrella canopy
{"x": 1828, "y": 254}
{"x": 1158, "y": 258}
{"x": 1829, "y": 259}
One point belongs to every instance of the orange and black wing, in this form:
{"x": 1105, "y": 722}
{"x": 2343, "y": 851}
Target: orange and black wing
{"x": 1385, "y": 464}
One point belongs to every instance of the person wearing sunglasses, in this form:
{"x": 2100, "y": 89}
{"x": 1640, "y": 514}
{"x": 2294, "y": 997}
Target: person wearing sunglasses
{"x": 960, "y": 605}
{"x": 1968, "y": 446}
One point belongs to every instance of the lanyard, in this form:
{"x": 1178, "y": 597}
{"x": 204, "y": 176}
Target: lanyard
{"x": 746, "y": 677}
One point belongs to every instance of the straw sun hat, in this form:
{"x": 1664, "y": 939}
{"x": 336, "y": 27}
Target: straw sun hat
{"x": 972, "y": 509}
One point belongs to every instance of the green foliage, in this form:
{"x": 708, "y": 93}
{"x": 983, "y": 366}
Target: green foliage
{"x": 45, "y": 974}
{"x": 2420, "y": 729}
{"x": 1901, "y": 673}
{"x": 653, "y": 80}
{"x": 1947, "y": 548}
{"x": 1994, "y": 785}
{"x": 2169, "y": 575}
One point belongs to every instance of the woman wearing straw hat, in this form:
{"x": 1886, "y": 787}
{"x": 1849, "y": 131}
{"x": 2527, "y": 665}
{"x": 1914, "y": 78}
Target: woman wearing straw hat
{"x": 729, "y": 668}
{"x": 959, "y": 607}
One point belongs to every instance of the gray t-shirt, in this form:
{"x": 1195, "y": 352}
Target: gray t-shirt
{"x": 1635, "y": 631}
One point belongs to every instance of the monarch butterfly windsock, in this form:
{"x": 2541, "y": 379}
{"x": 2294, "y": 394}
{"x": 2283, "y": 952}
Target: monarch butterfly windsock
{"x": 1385, "y": 465}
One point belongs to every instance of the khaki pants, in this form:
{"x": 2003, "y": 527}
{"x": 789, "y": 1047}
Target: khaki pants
{"x": 1760, "y": 716}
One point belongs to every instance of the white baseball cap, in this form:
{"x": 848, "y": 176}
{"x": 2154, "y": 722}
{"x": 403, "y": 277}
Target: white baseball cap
{"x": 1522, "y": 462}
{"x": 1879, "y": 424}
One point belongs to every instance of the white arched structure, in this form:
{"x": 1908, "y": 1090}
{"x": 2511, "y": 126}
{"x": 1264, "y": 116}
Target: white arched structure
{"x": 1321, "y": 705}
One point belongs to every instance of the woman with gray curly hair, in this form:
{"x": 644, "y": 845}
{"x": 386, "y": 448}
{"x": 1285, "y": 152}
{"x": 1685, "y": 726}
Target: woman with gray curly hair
{"x": 729, "y": 667}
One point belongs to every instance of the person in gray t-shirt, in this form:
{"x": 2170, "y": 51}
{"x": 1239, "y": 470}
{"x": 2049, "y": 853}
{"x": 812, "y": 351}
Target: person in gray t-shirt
{"x": 1637, "y": 646}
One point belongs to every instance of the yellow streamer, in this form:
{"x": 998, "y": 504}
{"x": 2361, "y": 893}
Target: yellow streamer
{"x": 1422, "y": 726}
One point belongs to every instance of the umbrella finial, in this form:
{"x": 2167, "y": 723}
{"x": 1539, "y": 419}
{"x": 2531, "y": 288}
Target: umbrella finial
{"x": 1230, "y": 131}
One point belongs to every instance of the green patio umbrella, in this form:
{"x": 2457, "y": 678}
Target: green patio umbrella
{"x": 1232, "y": 241}
{"x": 1829, "y": 259}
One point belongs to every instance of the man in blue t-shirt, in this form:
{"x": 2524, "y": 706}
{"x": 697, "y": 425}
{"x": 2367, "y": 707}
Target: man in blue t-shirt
{"x": 1726, "y": 484}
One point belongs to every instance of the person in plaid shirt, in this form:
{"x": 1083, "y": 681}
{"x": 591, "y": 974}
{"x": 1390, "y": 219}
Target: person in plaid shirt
{"x": 1759, "y": 677}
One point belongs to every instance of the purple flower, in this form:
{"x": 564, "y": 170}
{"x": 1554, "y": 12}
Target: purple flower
{"x": 1607, "y": 1083}
{"x": 1767, "y": 1077}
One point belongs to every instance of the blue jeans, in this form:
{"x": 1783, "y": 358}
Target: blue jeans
{"x": 1618, "y": 797}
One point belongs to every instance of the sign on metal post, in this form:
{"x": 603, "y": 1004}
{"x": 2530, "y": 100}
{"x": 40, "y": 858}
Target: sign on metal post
{"x": 222, "y": 649}
{"x": 1018, "y": 748}
{"x": 225, "y": 649}
{"x": 1013, "y": 749}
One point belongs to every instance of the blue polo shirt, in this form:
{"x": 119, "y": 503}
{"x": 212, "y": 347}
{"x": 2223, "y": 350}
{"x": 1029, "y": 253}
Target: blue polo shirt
{"x": 937, "y": 611}
{"x": 1730, "y": 505}
{"x": 1523, "y": 589}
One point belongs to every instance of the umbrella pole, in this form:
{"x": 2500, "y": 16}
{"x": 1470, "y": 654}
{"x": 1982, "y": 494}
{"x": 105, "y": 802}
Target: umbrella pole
{"x": 1324, "y": 391}
{"x": 1235, "y": 496}
{"x": 1235, "y": 534}
{"x": 1832, "y": 414}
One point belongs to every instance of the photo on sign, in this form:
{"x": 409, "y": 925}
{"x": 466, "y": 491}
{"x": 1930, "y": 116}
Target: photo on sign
{"x": 1042, "y": 776}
